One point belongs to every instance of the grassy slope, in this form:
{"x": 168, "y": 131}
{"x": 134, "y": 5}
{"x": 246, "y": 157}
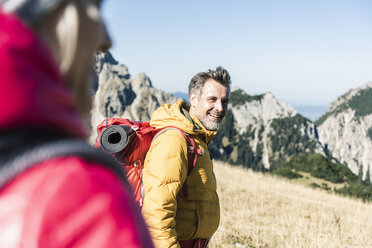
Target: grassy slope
{"x": 339, "y": 178}
{"x": 263, "y": 211}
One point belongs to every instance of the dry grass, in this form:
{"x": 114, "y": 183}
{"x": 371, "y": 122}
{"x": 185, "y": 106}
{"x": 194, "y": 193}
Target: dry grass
{"x": 263, "y": 211}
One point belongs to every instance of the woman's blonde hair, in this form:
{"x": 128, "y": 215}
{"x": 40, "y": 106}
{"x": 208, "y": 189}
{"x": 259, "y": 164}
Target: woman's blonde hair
{"x": 64, "y": 31}
{"x": 60, "y": 31}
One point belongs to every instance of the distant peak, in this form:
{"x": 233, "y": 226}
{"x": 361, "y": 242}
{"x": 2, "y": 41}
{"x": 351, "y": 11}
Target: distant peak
{"x": 106, "y": 58}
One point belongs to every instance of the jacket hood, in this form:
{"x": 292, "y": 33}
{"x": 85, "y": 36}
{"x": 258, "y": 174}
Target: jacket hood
{"x": 172, "y": 115}
{"x": 33, "y": 93}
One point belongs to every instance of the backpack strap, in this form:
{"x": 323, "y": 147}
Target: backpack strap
{"x": 192, "y": 153}
{"x": 58, "y": 148}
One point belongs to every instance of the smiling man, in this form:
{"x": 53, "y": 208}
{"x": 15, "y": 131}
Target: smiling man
{"x": 182, "y": 208}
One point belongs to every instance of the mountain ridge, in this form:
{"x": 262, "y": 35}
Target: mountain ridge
{"x": 121, "y": 95}
{"x": 346, "y": 129}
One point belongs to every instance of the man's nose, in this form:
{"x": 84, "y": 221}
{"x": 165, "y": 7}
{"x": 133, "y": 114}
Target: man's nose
{"x": 218, "y": 105}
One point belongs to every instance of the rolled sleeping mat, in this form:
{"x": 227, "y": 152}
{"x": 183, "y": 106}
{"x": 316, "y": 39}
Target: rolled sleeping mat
{"x": 114, "y": 138}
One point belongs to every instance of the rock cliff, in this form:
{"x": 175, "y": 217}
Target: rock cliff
{"x": 346, "y": 129}
{"x": 118, "y": 94}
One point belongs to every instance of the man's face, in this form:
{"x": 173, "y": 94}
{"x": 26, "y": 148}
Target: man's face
{"x": 211, "y": 106}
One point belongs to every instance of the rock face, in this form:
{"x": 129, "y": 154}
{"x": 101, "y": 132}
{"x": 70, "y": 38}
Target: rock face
{"x": 346, "y": 129}
{"x": 261, "y": 131}
{"x": 120, "y": 95}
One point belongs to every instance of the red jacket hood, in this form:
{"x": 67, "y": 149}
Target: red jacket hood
{"x": 32, "y": 91}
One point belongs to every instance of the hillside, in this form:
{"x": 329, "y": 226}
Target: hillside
{"x": 318, "y": 171}
{"x": 346, "y": 130}
{"x": 259, "y": 210}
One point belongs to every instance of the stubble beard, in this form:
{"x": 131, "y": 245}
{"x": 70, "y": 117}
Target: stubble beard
{"x": 210, "y": 125}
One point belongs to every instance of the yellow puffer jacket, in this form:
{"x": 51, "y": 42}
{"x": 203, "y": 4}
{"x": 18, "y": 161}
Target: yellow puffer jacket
{"x": 169, "y": 215}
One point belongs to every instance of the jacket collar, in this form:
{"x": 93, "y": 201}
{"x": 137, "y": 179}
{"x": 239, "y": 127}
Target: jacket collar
{"x": 178, "y": 115}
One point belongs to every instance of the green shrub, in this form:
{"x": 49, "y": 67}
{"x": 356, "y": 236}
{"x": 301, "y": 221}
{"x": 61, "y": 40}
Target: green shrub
{"x": 239, "y": 97}
{"x": 322, "y": 167}
{"x": 359, "y": 190}
{"x": 314, "y": 185}
{"x": 287, "y": 138}
{"x": 361, "y": 103}
{"x": 325, "y": 186}
{"x": 287, "y": 173}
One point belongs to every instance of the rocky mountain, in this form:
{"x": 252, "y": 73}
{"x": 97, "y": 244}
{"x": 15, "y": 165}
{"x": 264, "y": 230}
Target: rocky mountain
{"x": 346, "y": 130}
{"x": 261, "y": 131}
{"x": 118, "y": 94}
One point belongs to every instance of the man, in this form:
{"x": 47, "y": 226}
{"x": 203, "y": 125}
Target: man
{"x": 174, "y": 219}
{"x": 69, "y": 200}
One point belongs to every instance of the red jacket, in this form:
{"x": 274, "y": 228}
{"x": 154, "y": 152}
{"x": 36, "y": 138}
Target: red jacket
{"x": 64, "y": 201}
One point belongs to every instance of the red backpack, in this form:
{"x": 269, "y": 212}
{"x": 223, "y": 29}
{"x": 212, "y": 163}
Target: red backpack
{"x": 129, "y": 142}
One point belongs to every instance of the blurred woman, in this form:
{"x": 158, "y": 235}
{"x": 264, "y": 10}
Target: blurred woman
{"x": 54, "y": 191}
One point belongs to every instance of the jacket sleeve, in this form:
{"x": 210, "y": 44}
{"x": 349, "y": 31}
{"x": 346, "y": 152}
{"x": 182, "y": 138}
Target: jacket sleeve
{"x": 83, "y": 204}
{"x": 164, "y": 173}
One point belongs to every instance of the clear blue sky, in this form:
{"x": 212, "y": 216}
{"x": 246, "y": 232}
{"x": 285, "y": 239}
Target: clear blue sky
{"x": 306, "y": 52}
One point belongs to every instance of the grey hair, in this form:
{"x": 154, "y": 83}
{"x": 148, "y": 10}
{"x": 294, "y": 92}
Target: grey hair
{"x": 220, "y": 74}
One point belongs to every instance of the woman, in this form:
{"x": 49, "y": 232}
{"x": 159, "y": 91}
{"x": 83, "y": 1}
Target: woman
{"x": 46, "y": 59}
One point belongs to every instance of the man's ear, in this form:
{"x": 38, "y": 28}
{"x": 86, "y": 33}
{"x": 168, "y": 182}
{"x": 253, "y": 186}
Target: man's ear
{"x": 193, "y": 99}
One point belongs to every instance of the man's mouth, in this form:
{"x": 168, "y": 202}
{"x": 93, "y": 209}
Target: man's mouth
{"x": 215, "y": 117}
